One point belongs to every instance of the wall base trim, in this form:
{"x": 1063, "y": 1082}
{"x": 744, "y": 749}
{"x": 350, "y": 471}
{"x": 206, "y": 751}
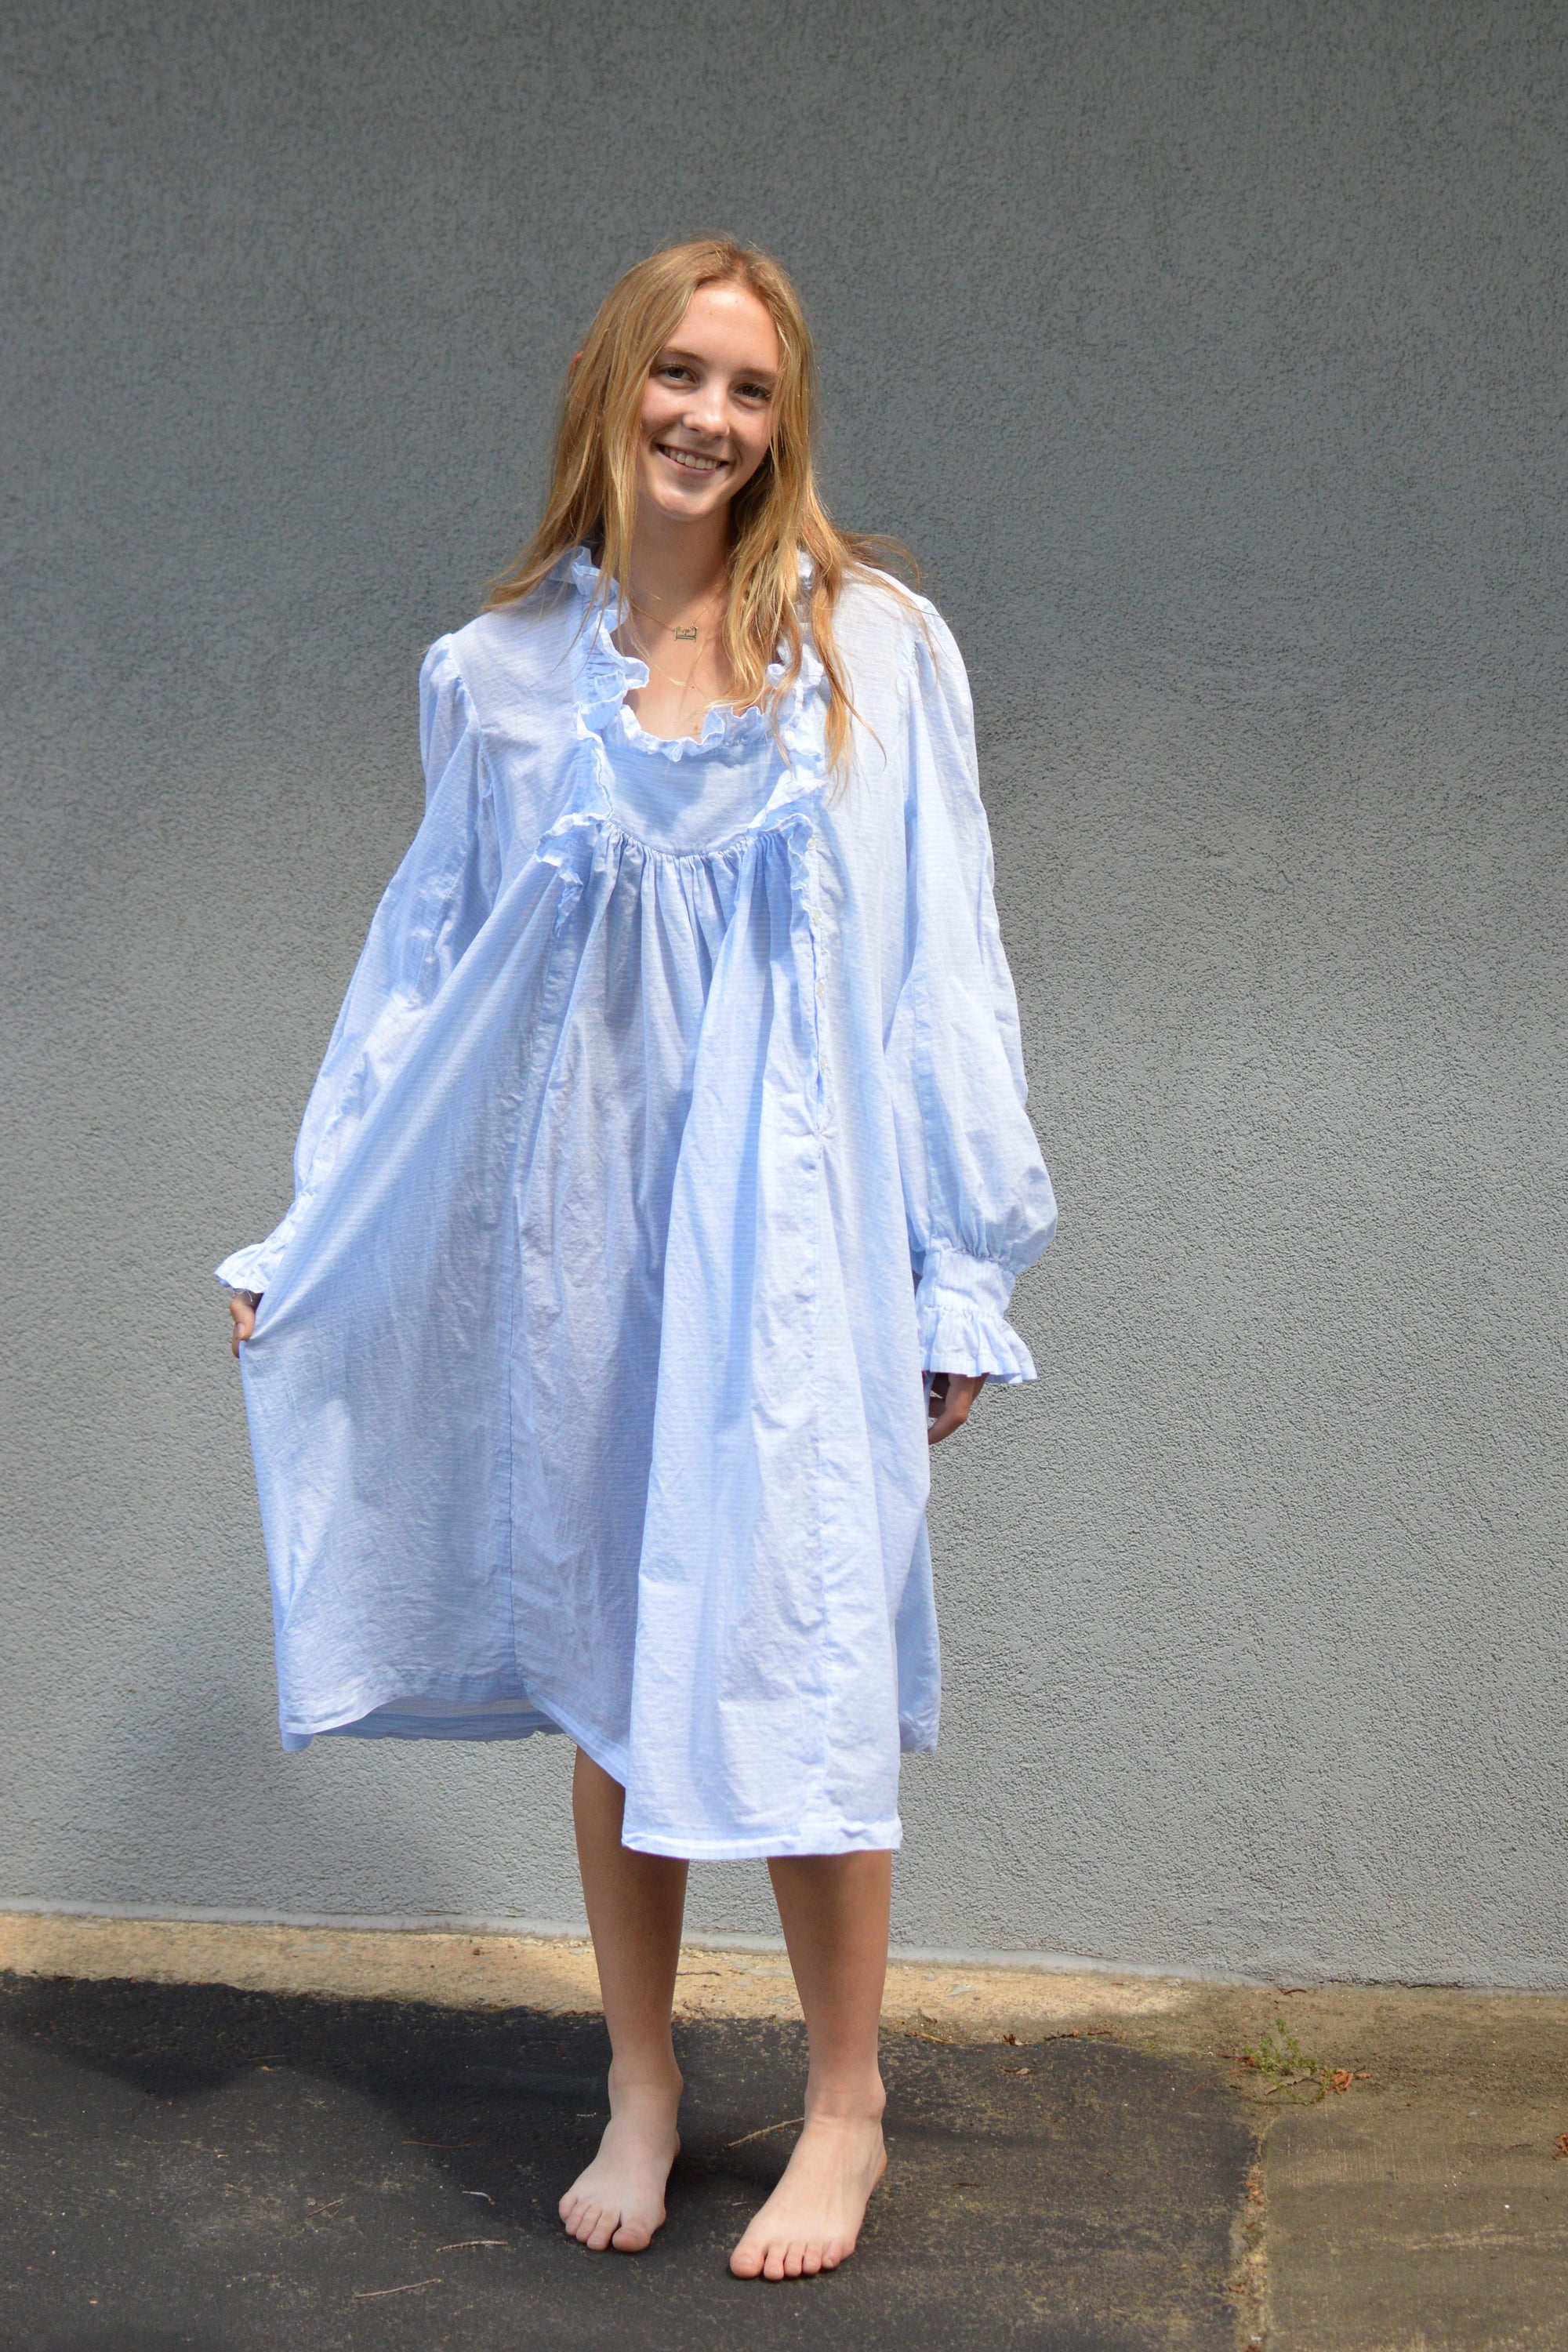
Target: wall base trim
{"x": 701, "y": 1939}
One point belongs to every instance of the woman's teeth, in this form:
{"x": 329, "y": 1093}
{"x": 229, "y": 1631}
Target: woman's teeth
{"x": 690, "y": 460}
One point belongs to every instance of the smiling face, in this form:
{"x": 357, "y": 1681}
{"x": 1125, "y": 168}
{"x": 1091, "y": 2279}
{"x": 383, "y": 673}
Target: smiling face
{"x": 707, "y": 408}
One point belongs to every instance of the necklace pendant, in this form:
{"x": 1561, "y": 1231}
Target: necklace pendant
{"x": 689, "y": 634}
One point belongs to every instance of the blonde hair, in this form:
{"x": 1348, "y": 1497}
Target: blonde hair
{"x": 774, "y": 518}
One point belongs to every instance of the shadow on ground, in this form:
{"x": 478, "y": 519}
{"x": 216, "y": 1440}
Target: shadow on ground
{"x": 191, "y": 2168}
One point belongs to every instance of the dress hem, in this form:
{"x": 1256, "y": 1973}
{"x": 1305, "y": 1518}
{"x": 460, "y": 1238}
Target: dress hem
{"x": 840, "y": 1837}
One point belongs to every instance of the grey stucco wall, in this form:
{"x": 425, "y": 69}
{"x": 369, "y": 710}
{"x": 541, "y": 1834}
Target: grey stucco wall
{"x": 1211, "y": 357}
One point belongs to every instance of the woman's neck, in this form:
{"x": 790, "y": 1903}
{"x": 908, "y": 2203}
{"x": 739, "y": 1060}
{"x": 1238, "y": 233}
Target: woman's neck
{"x": 679, "y": 569}
{"x": 680, "y": 574}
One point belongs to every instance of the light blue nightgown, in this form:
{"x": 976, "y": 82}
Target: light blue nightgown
{"x": 673, "y": 1120}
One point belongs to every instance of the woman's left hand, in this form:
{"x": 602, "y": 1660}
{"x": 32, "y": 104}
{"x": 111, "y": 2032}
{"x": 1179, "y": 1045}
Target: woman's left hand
{"x": 242, "y": 1306}
{"x": 952, "y": 1394}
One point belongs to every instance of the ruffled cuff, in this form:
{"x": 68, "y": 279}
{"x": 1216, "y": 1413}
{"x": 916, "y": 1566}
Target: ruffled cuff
{"x": 250, "y": 1268}
{"x": 960, "y": 1314}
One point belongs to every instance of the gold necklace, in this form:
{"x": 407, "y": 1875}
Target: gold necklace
{"x": 680, "y": 631}
{"x": 684, "y": 684}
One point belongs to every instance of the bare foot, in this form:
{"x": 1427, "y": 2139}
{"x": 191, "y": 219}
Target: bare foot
{"x": 812, "y": 2218}
{"x": 618, "y": 2201}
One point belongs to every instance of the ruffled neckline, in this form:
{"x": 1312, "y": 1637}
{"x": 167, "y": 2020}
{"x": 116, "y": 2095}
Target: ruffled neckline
{"x": 607, "y": 676}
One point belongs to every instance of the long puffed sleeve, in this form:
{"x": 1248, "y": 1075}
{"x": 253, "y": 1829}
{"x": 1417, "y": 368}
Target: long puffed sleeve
{"x": 976, "y": 1194}
{"x": 431, "y": 909}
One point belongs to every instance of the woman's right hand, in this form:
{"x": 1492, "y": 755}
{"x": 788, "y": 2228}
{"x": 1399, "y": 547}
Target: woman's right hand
{"x": 242, "y": 1306}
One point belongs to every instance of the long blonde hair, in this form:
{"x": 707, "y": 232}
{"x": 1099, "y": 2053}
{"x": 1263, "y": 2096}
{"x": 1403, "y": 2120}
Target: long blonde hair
{"x": 776, "y": 516}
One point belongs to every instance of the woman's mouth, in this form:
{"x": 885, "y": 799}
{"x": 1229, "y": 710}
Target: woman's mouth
{"x": 690, "y": 461}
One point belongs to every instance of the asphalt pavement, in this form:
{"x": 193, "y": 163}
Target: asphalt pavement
{"x": 196, "y": 2168}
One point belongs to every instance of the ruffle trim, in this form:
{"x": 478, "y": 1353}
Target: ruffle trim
{"x": 250, "y": 1268}
{"x": 955, "y": 1337}
{"x": 960, "y": 1318}
{"x": 607, "y": 676}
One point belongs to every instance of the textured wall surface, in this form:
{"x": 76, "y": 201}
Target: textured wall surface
{"x": 1211, "y": 357}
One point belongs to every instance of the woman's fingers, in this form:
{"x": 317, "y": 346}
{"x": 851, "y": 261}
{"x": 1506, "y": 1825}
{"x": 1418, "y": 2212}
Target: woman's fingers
{"x": 242, "y": 1308}
{"x": 952, "y": 1394}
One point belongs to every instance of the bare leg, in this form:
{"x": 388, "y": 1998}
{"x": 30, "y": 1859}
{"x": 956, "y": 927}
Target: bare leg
{"x": 635, "y": 1904}
{"x": 834, "y": 1908}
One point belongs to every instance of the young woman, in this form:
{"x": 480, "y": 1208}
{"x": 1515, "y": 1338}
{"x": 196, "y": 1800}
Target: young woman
{"x": 672, "y": 1127}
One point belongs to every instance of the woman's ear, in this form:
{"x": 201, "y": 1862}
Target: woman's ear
{"x": 572, "y": 365}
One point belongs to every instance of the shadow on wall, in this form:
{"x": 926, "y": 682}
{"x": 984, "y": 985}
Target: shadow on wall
{"x": 348, "y": 1828}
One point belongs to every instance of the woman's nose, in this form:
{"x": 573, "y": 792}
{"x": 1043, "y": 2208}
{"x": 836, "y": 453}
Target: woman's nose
{"x": 705, "y": 411}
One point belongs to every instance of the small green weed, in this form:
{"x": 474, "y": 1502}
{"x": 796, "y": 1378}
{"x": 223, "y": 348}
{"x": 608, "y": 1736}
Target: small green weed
{"x": 1287, "y": 2071}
